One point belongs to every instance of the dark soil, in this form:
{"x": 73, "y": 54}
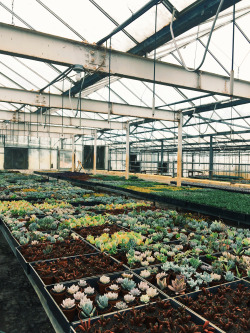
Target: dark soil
{"x": 76, "y": 268}
{"x": 227, "y": 308}
{"x": 57, "y": 250}
{"x": 20, "y": 307}
{"x": 161, "y": 317}
{"x": 98, "y": 230}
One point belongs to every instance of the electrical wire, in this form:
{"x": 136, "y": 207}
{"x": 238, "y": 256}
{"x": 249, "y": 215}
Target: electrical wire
{"x": 208, "y": 42}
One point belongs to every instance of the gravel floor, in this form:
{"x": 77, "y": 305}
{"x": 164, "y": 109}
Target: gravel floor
{"x": 20, "y": 307}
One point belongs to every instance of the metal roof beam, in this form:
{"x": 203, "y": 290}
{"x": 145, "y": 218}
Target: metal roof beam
{"x": 41, "y": 130}
{"x": 87, "y": 105}
{"x": 14, "y": 116}
{"x": 49, "y": 48}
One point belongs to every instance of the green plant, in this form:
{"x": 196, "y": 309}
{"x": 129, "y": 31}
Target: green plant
{"x": 102, "y": 302}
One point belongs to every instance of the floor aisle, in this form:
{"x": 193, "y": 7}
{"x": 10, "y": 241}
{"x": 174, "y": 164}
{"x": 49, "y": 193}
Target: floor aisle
{"x": 20, "y": 307}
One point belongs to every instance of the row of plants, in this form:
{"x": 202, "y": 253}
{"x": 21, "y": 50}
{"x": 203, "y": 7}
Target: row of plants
{"x": 119, "y": 260}
{"x": 236, "y": 202}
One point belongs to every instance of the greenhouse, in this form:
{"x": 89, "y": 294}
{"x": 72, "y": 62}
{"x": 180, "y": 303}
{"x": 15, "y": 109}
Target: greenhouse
{"x": 124, "y": 166}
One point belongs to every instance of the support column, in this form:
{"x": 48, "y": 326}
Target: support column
{"x": 73, "y": 154}
{"x": 50, "y": 153}
{"x": 127, "y": 152}
{"x": 58, "y": 158}
{"x": 211, "y": 159}
{"x": 94, "y": 157}
{"x": 161, "y": 157}
{"x": 179, "y": 152}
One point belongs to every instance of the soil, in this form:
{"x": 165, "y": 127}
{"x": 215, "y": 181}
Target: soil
{"x": 76, "y": 268}
{"x": 142, "y": 320}
{"x": 227, "y": 308}
{"x": 58, "y": 250}
{"x": 98, "y": 230}
{"x": 20, "y": 307}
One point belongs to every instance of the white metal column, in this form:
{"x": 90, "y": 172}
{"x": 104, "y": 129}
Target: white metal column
{"x": 127, "y": 152}
{"x": 94, "y": 157}
{"x": 73, "y": 153}
{"x": 179, "y": 152}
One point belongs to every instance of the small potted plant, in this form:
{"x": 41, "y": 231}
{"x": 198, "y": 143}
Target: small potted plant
{"x": 72, "y": 289}
{"x": 103, "y": 283}
{"x": 127, "y": 285}
{"x": 130, "y": 300}
{"x": 112, "y": 297}
{"x": 87, "y": 308}
{"x": 90, "y": 293}
{"x": 69, "y": 308}
{"x": 78, "y": 296}
{"x": 113, "y": 288}
{"x": 103, "y": 304}
{"x": 58, "y": 292}
{"x": 82, "y": 284}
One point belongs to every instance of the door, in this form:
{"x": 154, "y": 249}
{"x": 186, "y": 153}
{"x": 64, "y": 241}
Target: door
{"x": 15, "y": 158}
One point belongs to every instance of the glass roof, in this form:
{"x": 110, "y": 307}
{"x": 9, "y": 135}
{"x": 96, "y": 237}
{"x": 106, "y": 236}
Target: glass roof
{"x": 92, "y": 20}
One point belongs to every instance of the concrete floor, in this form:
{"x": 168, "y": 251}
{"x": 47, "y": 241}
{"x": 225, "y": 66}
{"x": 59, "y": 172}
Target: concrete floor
{"x": 20, "y": 307}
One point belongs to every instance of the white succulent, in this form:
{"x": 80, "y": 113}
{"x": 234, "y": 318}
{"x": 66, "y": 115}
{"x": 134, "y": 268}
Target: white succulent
{"x": 150, "y": 259}
{"x": 143, "y": 285}
{"x": 58, "y": 288}
{"x": 145, "y": 274}
{"x": 89, "y": 291}
{"x": 144, "y": 298}
{"x": 79, "y": 295}
{"x": 127, "y": 275}
{"x": 82, "y": 283}
{"x": 129, "y": 298}
{"x": 73, "y": 289}
{"x": 215, "y": 277}
{"x": 152, "y": 292}
{"x": 68, "y": 303}
{"x": 135, "y": 292}
{"x": 114, "y": 287}
{"x": 111, "y": 296}
{"x": 145, "y": 263}
{"x": 121, "y": 305}
{"x": 105, "y": 279}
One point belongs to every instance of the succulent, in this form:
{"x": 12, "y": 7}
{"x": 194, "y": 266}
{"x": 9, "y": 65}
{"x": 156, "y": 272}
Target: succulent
{"x": 111, "y": 296}
{"x": 104, "y": 279}
{"x": 129, "y": 298}
{"x": 82, "y": 283}
{"x": 73, "y": 289}
{"x": 143, "y": 285}
{"x": 121, "y": 305}
{"x": 178, "y": 285}
{"x": 103, "y": 302}
{"x": 58, "y": 288}
{"x": 229, "y": 276}
{"x": 119, "y": 280}
{"x": 152, "y": 292}
{"x": 215, "y": 277}
{"x": 135, "y": 292}
{"x": 144, "y": 263}
{"x": 114, "y": 287}
{"x": 128, "y": 284}
{"x": 127, "y": 275}
{"x": 68, "y": 303}
{"x": 89, "y": 291}
{"x": 145, "y": 274}
{"x": 144, "y": 299}
{"x": 161, "y": 282}
{"x": 87, "y": 309}
{"x": 78, "y": 296}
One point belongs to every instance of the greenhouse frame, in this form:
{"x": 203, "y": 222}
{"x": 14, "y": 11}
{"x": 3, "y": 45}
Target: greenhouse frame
{"x": 131, "y": 115}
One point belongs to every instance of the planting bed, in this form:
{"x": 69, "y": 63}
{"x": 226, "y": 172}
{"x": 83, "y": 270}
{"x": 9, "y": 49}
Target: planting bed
{"x": 149, "y": 254}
